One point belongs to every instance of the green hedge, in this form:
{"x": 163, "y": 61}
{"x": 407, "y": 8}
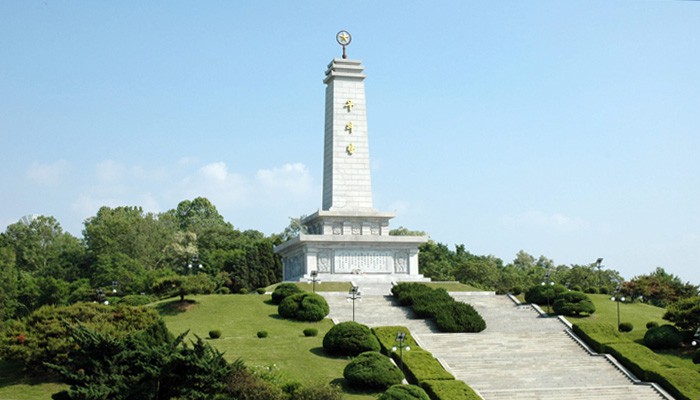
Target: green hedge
{"x": 682, "y": 383}
{"x": 449, "y": 390}
{"x": 387, "y": 338}
{"x": 421, "y": 366}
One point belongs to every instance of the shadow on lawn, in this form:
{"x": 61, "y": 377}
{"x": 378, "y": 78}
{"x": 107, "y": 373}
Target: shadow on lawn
{"x": 321, "y": 352}
{"x": 13, "y": 374}
{"x": 351, "y": 390}
{"x": 175, "y": 307}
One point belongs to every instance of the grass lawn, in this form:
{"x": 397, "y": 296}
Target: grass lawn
{"x": 291, "y": 355}
{"x": 453, "y": 286}
{"x": 675, "y": 367}
{"x": 636, "y": 313}
{"x": 18, "y": 386}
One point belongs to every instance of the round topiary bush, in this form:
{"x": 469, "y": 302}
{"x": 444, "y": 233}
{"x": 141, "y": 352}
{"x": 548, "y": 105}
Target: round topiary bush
{"x": 371, "y": 370}
{"x": 304, "y": 307}
{"x": 459, "y": 317}
{"x": 652, "y": 324}
{"x": 516, "y": 290}
{"x": 538, "y": 294}
{"x": 404, "y": 392}
{"x": 262, "y": 334}
{"x": 283, "y": 291}
{"x": 663, "y": 337}
{"x": 573, "y": 303}
{"x": 243, "y": 291}
{"x": 576, "y": 288}
{"x": 308, "y": 332}
{"x": 591, "y": 290}
{"x": 260, "y": 290}
{"x": 604, "y": 290}
{"x": 696, "y": 357}
{"x": 215, "y": 333}
{"x": 350, "y": 339}
{"x": 625, "y": 327}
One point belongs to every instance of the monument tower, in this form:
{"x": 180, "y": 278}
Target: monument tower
{"x": 347, "y": 239}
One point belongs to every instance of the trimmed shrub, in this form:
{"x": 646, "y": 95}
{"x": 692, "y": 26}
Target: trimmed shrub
{"x": 420, "y": 366}
{"x": 404, "y": 392}
{"x": 308, "y": 332}
{"x": 215, "y": 333}
{"x": 573, "y": 304}
{"x": 663, "y": 337}
{"x": 223, "y": 290}
{"x": 260, "y": 290}
{"x": 304, "y": 307}
{"x": 591, "y": 290}
{"x": 135, "y": 300}
{"x": 459, "y": 317}
{"x": 604, "y": 290}
{"x": 696, "y": 357}
{"x": 349, "y": 339}
{"x": 262, "y": 334}
{"x": 652, "y": 324}
{"x": 243, "y": 291}
{"x": 538, "y": 294}
{"x": 576, "y": 288}
{"x": 387, "y": 338}
{"x": 452, "y": 390}
{"x": 427, "y": 304}
{"x": 372, "y": 370}
{"x": 283, "y": 291}
{"x": 405, "y": 292}
{"x": 516, "y": 290}
{"x": 625, "y": 327}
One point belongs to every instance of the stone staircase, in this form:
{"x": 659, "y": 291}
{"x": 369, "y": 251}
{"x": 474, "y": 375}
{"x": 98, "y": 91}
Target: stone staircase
{"x": 520, "y": 355}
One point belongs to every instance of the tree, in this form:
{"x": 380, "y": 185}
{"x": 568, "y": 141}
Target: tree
{"x": 8, "y": 283}
{"x": 143, "y": 365}
{"x": 197, "y": 216}
{"x": 685, "y": 313}
{"x": 43, "y": 335}
{"x": 294, "y": 228}
{"x": 573, "y": 303}
{"x": 180, "y": 285}
{"x": 659, "y": 288}
{"x": 129, "y": 231}
{"x": 41, "y": 247}
{"x": 401, "y": 231}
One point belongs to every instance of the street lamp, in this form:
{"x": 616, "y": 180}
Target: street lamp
{"x": 547, "y": 282}
{"x": 617, "y": 298}
{"x": 599, "y": 264}
{"x": 114, "y": 286}
{"x": 400, "y": 337}
{"x": 696, "y": 338}
{"x": 194, "y": 263}
{"x": 101, "y": 297}
{"x": 314, "y": 279}
{"x": 354, "y": 294}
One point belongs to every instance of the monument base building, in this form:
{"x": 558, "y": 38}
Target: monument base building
{"x": 348, "y": 240}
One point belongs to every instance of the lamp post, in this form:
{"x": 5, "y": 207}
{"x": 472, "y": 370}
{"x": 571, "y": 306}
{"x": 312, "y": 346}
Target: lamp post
{"x": 354, "y": 294}
{"x": 400, "y": 337}
{"x": 194, "y": 263}
{"x": 696, "y": 338}
{"x": 547, "y": 282}
{"x": 617, "y": 298}
{"x": 314, "y": 279}
{"x": 101, "y": 296}
{"x": 114, "y": 286}
{"x": 599, "y": 264}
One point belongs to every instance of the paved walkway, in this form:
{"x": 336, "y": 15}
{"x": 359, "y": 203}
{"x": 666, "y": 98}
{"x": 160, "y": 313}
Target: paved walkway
{"x": 520, "y": 355}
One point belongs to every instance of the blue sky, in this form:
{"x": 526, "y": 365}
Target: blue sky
{"x": 564, "y": 128}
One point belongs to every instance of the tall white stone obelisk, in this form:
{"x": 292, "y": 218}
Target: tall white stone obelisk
{"x": 347, "y": 239}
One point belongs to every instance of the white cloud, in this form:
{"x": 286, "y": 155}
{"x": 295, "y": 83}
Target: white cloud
{"x": 289, "y": 179}
{"x": 109, "y": 171}
{"x": 47, "y": 174}
{"x": 541, "y": 220}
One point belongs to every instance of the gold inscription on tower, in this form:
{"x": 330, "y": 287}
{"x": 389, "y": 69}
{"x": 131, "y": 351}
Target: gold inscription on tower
{"x": 349, "y": 105}
{"x": 348, "y": 127}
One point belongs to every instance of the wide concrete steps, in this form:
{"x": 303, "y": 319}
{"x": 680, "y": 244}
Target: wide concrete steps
{"x": 520, "y": 355}
{"x": 628, "y": 392}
